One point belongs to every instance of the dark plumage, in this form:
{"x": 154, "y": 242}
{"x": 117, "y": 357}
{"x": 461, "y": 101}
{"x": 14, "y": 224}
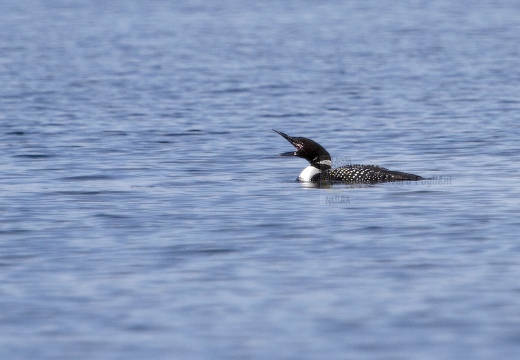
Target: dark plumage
{"x": 363, "y": 174}
{"x": 320, "y": 168}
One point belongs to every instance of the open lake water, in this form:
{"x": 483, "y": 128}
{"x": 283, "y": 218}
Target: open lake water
{"x": 145, "y": 212}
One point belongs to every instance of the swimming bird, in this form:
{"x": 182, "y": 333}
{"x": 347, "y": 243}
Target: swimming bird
{"x": 320, "y": 168}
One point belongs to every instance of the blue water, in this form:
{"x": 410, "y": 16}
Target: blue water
{"x": 144, "y": 212}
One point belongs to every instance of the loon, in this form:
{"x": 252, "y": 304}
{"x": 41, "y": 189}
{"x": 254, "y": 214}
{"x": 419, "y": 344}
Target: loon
{"x": 320, "y": 168}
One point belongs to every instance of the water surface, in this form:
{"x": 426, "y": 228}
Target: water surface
{"x": 144, "y": 211}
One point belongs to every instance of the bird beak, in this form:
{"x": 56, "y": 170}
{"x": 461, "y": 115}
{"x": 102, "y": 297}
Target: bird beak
{"x": 289, "y": 153}
{"x": 291, "y": 140}
{"x": 285, "y": 136}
